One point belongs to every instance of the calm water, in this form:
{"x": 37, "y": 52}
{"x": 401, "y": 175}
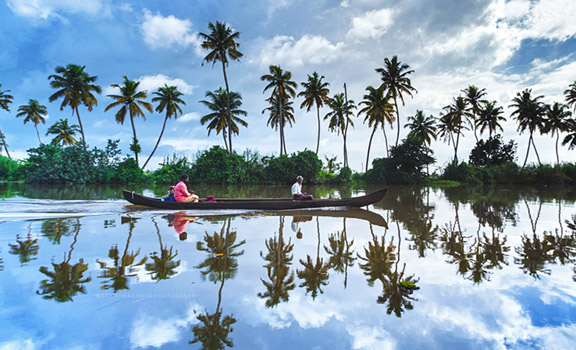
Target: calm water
{"x": 80, "y": 268}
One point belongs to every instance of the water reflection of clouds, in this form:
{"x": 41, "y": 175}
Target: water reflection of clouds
{"x": 156, "y": 332}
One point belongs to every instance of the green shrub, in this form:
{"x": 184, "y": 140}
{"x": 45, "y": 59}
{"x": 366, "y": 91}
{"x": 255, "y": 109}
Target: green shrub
{"x": 171, "y": 169}
{"x": 216, "y": 166}
{"x": 9, "y": 169}
{"x": 406, "y": 164}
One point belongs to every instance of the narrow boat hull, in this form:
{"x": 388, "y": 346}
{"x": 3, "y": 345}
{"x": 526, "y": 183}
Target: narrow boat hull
{"x": 257, "y": 203}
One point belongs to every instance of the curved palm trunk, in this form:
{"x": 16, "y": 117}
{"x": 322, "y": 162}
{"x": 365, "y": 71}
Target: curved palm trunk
{"x": 385, "y": 139}
{"x": 38, "y": 133}
{"x": 398, "y": 120}
{"x": 135, "y": 138}
{"x": 4, "y": 143}
{"x": 318, "y": 141}
{"x": 157, "y": 142}
{"x": 557, "y": 157}
{"x": 456, "y": 148}
{"x": 81, "y": 127}
{"x": 370, "y": 145}
{"x": 536, "y": 151}
{"x": 228, "y": 107}
{"x": 225, "y": 141}
{"x": 527, "y": 151}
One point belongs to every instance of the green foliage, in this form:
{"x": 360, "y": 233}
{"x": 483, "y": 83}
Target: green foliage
{"x": 345, "y": 175}
{"x": 406, "y": 164}
{"x": 52, "y": 163}
{"x": 493, "y": 152}
{"x": 9, "y": 169}
{"x": 462, "y": 172}
{"x": 216, "y": 166}
{"x": 284, "y": 169}
{"x": 171, "y": 169}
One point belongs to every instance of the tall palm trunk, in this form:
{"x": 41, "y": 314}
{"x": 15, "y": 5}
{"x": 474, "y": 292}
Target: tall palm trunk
{"x": 4, "y": 143}
{"x": 528, "y": 150}
{"x": 536, "y": 151}
{"x": 135, "y": 138}
{"x": 38, "y": 133}
{"x": 228, "y": 108}
{"x": 81, "y": 127}
{"x": 345, "y": 151}
{"x": 369, "y": 145}
{"x": 157, "y": 142}
{"x": 281, "y": 116}
{"x": 385, "y": 139}
{"x": 398, "y": 120}
{"x": 557, "y": 156}
{"x": 318, "y": 141}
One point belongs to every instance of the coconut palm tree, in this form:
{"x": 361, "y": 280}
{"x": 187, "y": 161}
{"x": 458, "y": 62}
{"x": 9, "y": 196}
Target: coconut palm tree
{"x": 395, "y": 79}
{"x": 570, "y": 139}
{"x": 75, "y": 87}
{"x": 452, "y": 122}
{"x": 340, "y": 118}
{"x": 5, "y": 100}
{"x": 422, "y": 128}
{"x": 556, "y": 118}
{"x": 64, "y": 132}
{"x": 278, "y": 120}
{"x": 315, "y": 93}
{"x": 130, "y": 100}
{"x": 222, "y": 44}
{"x": 378, "y": 111}
{"x": 283, "y": 89}
{"x": 168, "y": 98}
{"x": 218, "y": 120}
{"x": 571, "y": 95}
{"x": 529, "y": 112}
{"x": 473, "y": 97}
{"x": 33, "y": 112}
{"x": 489, "y": 118}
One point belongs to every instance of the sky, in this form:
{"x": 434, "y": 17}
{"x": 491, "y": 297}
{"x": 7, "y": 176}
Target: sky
{"x": 501, "y": 46}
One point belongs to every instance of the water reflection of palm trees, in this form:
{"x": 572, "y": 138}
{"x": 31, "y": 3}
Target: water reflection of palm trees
{"x": 66, "y": 280}
{"x": 278, "y": 271}
{"x": 340, "y": 251}
{"x": 116, "y": 275}
{"x": 163, "y": 265}
{"x": 381, "y": 263}
{"x": 25, "y": 249}
{"x": 214, "y": 330}
{"x": 55, "y": 229}
{"x": 315, "y": 273}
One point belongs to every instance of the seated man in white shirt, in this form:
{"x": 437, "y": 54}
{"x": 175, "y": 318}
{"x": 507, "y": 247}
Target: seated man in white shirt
{"x": 297, "y": 193}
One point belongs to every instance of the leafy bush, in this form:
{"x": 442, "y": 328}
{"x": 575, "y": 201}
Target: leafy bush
{"x": 171, "y": 169}
{"x": 493, "y": 152}
{"x": 216, "y": 166}
{"x": 9, "y": 169}
{"x": 406, "y": 164}
{"x": 285, "y": 169}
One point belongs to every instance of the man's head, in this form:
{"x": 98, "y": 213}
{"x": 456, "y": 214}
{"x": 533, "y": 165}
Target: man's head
{"x": 299, "y": 179}
{"x": 184, "y": 178}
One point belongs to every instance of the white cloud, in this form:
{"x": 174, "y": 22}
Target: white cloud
{"x": 151, "y": 83}
{"x": 44, "y": 9}
{"x": 544, "y": 20}
{"x": 309, "y": 49}
{"x": 188, "y": 117}
{"x": 371, "y": 24}
{"x": 168, "y": 32}
{"x": 371, "y": 338}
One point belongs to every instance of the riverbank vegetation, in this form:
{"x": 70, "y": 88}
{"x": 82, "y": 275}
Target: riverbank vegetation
{"x": 68, "y": 160}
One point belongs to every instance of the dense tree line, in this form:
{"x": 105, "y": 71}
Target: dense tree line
{"x": 470, "y": 111}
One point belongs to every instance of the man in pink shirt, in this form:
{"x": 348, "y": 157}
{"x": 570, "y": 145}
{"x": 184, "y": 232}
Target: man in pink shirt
{"x": 181, "y": 193}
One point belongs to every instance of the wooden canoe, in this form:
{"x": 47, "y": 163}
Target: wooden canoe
{"x": 257, "y": 203}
